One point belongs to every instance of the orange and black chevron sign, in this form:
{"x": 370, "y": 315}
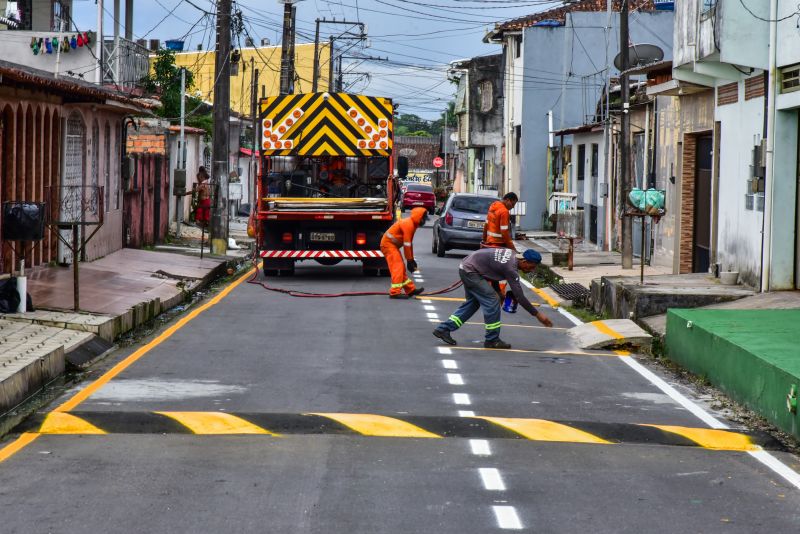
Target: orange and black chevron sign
{"x": 326, "y": 124}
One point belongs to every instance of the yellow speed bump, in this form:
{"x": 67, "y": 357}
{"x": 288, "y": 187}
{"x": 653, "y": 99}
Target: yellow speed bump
{"x": 541, "y": 430}
{"x": 215, "y": 423}
{"x": 709, "y": 438}
{"x": 64, "y": 423}
{"x": 379, "y": 425}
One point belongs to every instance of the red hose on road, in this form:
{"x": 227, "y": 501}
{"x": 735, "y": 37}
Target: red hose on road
{"x": 306, "y": 294}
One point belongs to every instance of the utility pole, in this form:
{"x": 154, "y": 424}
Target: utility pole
{"x": 222, "y": 113}
{"x": 338, "y": 85}
{"x": 181, "y": 156}
{"x": 624, "y": 152}
{"x": 331, "y": 60}
{"x": 255, "y": 154}
{"x": 287, "y": 48}
{"x": 315, "y": 77}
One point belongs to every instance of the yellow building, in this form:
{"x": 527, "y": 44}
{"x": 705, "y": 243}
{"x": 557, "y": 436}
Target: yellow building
{"x": 267, "y": 59}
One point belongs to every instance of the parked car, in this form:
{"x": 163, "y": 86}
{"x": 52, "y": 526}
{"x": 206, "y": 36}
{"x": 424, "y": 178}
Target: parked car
{"x": 460, "y": 223}
{"x": 418, "y": 196}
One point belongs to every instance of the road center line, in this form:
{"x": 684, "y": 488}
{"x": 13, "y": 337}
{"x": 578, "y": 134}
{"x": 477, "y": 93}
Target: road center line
{"x": 455, "y": 379}
{"x": 507, "y": 517}
{"x": 444, "y": 350}
{"x": 492, "y": 481}
{"x": 432, "y": 316}
{"x": 480, "y": 447}
{"x": 430, "y": 308}
{"x": 466, "y": 413}
{"x": 449, "y": 364}
{"x": 461, "y": 398}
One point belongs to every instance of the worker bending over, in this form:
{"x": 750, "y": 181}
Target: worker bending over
{"x": 480, "y": 272}
{"x": 401, "y": 235}
{"x": 496, "y": 230}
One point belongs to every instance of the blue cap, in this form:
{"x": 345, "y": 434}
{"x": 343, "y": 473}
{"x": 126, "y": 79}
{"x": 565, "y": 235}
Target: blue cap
{"x": 532, "y": 256}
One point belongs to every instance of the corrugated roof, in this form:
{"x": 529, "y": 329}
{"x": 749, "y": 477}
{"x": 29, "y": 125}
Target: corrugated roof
{"x": 560, "y": 14}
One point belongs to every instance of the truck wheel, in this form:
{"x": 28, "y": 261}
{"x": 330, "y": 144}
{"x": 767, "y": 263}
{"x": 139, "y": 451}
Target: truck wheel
{"x": 384, "y": 273}
{"x": 270, "y": 272}
{"x": 288, "y": 271}
{"x": 369, "y": 271}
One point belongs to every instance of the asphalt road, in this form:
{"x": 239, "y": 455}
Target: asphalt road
{"x": 270, "y": 360}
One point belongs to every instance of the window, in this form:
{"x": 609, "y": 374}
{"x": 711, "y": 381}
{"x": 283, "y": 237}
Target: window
{"x": 61, "y": 18}
{"x": 517, "y": 136}
{"x": 595, "y": 159}
{"x": 18, "y": 14}
{"x": 790, "y": 79}
{"x": 708, "y": 5}
{"x": 581, "y": 162}
{"x": 94, "y": 154}
{"x": 117, "y": 164}
{"x": 107, "y": 165}
{"x": 518, "y": 46}
{"x": 486, "y": 95}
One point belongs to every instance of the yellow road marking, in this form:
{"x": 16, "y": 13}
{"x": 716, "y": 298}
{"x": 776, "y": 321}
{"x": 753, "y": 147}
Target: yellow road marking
{"x": 379, "y": 425}
{"x": 215, "y": 423}
{"x": 544, "y": 296}
{"x": 541, "y": 430}
{"x": 18, "y": 444}
{"x": 64, "y": 423}
{"x": 603, "y": 328}
{"x": 520, "y": 326}
{"x": 710, "y": 438}
{"x": 24, "y": 440}
{"x": 449, "y": 299}
{"x": 528, "y": 351}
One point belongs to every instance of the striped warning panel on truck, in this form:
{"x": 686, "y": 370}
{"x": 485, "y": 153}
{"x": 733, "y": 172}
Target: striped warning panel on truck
{"x": 326, "y": 124}
{"x": 393, "y": 426}
{"x": 302, "y": 254}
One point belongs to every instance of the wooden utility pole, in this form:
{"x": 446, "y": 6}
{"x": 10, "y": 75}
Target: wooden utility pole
{"x": 287, "y": 48}
{"x": 624, "y": 143}
{"x": 222, "y": 114}
{"x": 315, "y": 77}
{"x": 255, "y": 154}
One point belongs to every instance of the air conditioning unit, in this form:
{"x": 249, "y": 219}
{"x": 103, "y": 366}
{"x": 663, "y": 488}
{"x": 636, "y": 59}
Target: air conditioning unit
{"x": 248, "y": 41}
{"x": 264, "y": 41}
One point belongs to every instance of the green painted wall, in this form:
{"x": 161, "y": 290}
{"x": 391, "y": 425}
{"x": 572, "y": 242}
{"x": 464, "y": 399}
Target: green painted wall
{"x": 751, "y": 355}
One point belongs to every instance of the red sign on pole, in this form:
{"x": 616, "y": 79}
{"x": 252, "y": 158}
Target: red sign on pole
{"x": 438, "y": 162}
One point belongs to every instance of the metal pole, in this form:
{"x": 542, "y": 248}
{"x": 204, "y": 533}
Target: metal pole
{"x": 116, "y": 43}
{"x": 315, "y": 78}
{"x": 286, "y": 50}
{"x": 181, "y": 155}
{"x": 75, "y": 277}
{"x": 222, "y": 110}
{"x": 98, "y": 43}
{"x": 330, "y": 64}
{"x": 624, "y": 153}
{"x": 256, "y": 137}
{"x": 641, "y": 276}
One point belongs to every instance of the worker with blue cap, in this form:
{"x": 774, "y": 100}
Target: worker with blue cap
{"x": 481, "y": 273}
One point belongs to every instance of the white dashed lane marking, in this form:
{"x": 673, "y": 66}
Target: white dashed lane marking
{"x": 455, "y": 379}
{"x": 480, "y": 447}
{"x": 461, "y": 398}
{"x": 466, "y": 413}
{"x": 491, "y": 478}
{"x": 507, "y": 517}
{"x": 449, "y": 364}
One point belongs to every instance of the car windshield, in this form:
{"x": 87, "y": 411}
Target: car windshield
{"x": 419, "y": 187}
{"x": 473, "y": 204}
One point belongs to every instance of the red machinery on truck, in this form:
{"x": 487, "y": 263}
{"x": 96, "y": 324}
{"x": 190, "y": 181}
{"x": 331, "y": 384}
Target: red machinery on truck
{"x": 325, "y": 190}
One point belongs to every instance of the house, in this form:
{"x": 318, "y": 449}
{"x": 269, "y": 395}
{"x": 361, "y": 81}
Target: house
{"x": 62, "y": 139}
{"x": 748, "y": 175}
{"x": 479, "y": 112}
{"x": 420, "y": 151}
{"x": 556, "y": 64}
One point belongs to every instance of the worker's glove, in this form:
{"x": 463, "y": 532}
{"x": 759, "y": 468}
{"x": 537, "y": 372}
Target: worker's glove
{"x": 412, "y": 265}
{"x": 545, "y": 320}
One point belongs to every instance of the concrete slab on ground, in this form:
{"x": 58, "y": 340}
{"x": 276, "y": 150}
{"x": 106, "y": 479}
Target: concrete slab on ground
{"x": 609, "y": 333}
{"x": 751, "y": 355}
{"x": 100, "y": 325}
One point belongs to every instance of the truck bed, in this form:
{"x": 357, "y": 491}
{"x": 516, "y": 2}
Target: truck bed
{"x": 296, "y": 204}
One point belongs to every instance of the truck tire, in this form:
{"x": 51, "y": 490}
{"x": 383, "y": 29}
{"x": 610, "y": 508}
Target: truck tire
{"x": 369, "y": 271}
{"x": 270, "y": 272}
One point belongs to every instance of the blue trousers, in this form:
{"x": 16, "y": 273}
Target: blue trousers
{"x": 480, "y": 294}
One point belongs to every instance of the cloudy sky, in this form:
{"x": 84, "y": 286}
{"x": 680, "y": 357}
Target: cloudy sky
{"x": 419, "y": 37}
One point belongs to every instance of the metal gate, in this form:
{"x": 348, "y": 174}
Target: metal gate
{"x": 72, "y": 175}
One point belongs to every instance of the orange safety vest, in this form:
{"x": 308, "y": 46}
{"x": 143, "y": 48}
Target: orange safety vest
{"x": 401, "y": 233}
{"x": 497, "y": 226}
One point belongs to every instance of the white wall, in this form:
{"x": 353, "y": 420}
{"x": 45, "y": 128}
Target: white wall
{"x": 16, "y": 47}
{"x": 194, "y": 159}
{"x": 739, "y": 240}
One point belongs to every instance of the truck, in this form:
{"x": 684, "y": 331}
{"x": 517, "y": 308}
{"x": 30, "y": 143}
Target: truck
{"x": 326, "y": 191}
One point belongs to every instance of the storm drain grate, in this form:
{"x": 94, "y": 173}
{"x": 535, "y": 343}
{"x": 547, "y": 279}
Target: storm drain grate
{"x": 574, "y": 292}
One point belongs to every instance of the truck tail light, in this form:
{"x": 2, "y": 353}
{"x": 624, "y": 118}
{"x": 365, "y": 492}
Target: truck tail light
{"x": 361, "y": 238}
{"x": 448, "y": 218}
{"x": 287, "y": 237}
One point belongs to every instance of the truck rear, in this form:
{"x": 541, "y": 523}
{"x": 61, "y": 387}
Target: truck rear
{"x": 325, "y": 189}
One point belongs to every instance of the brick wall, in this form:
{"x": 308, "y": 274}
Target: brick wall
{"x": 687, "y": 202}
{"x": 146, "y": 143}
{"x": 754, "y": 87}
{"x": 728, "y": 94}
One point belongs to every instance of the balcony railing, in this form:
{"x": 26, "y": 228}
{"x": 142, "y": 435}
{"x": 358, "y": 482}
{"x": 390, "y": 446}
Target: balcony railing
{"x": 126, "y": 65}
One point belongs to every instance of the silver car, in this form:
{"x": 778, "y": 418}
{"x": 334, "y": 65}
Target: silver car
{"x": 460, "y": 223}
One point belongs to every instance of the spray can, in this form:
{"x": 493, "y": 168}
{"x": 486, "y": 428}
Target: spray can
{"x": 510, "y": 303}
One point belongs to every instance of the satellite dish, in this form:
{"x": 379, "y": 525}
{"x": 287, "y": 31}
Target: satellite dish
{"x": 454, "y": 136}
{"x": 638, "y": 55}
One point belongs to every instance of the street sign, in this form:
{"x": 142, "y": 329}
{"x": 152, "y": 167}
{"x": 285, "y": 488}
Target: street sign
{"x": 438, "y": 162}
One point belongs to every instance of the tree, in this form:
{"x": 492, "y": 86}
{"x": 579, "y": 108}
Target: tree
{"x": 164, "y": 80}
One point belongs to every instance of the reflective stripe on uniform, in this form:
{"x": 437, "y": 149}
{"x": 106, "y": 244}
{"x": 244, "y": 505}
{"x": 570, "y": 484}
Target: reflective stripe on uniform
{"x": 407, "y": 243}
{"x": 504, "y": 227}
{"x": 493, "y": 326}
{"x": 494, "y": 234}
{"x": 392, "y": 238}
{"x": 408, "y": 281}
{"x": 456, "y": 320}
{"x": 401, "y": 284}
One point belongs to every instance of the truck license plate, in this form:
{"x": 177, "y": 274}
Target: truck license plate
{"x": 323, "y": 236}
{"x": 474, "y": 224}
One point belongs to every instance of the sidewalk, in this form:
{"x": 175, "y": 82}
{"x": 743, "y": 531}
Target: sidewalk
{"x": 117, "y": 293}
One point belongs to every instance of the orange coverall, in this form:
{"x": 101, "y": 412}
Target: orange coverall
{"x": 401, "y": 234}
{"x": 496, "y": 230}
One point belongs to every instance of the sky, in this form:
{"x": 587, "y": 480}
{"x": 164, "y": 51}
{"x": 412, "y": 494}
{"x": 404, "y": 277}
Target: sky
{"x": 416, "y": 38}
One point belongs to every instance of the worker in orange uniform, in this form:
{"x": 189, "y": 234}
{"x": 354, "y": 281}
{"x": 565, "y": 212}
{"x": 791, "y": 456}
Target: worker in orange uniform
{"x": 496, "y": 232}
{"x": 401, "y": 235}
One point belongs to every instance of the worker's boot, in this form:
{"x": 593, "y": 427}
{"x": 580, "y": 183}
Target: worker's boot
{"x": 399, "y": 296}
{"x": 445, "y": 336}
{"x": 417, "y": 291}
{"x": 496, "y": 344}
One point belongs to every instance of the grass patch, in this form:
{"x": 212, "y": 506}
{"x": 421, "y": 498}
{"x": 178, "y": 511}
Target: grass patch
{"x": 584, "y": 314}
